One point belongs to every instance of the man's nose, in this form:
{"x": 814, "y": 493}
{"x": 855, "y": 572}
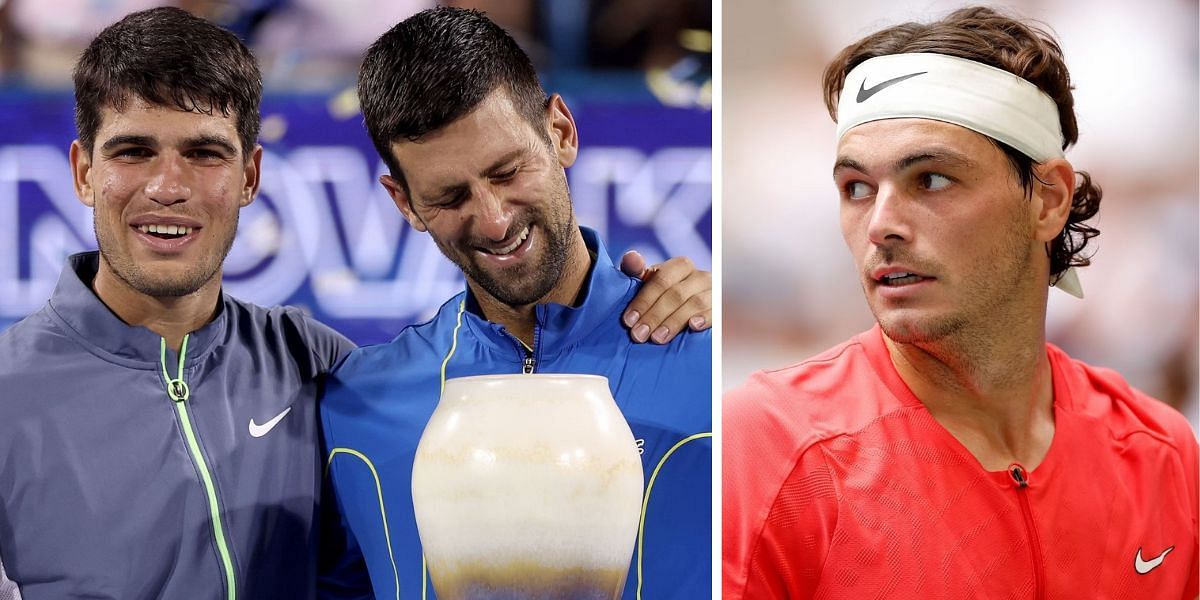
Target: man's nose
{"x": 889, "y": 222}
{"x": 168, "y": 184}
{"x": 494, "y": 215}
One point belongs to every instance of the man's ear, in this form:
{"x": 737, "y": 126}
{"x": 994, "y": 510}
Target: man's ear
{"x": 400, "y": 196}
{"x": 1053, "y": 190}
{"x": 560, "y": 125}
{"x": 252, "y": 176}
{"x": 81, "y": 174}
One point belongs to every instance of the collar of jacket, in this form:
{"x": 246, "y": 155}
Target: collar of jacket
{"x": 606, "y": 293}
{"x": 97, "y": 327}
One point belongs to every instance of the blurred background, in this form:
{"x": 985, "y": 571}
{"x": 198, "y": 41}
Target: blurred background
{"x": 323, "y": 234}
{"x": 790, "y": 288}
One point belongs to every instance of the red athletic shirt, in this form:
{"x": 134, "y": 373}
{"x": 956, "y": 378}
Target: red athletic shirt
{"x": 838, "y": 483}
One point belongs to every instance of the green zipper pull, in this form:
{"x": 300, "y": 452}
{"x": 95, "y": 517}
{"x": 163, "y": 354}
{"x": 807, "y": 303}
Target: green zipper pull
{"x": 177, "y": 388}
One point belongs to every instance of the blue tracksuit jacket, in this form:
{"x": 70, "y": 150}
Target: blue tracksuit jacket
{"x": 380, "y": 399}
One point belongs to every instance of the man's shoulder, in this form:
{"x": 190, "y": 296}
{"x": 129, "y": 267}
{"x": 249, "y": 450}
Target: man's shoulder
{"x": 418, "y": 348}
{"x": 29, "y": 341}
{"x": 243, "y": 313}
{"x": 836, "y": 392}
{"x": 396, "y": 382}
{"x": 608, "y": 326}
{"x": 42, "y": 363}
{"x": 1104, "y": 395}
{"x": 286, "y": 329}
{"x": 687, "y": 347}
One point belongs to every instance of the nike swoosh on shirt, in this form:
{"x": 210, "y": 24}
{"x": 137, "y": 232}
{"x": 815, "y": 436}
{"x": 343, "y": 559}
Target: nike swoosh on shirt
{"x": 866, "y": 92}
{"x": 257, "y": 430}
{"x": 1145, "y": 566}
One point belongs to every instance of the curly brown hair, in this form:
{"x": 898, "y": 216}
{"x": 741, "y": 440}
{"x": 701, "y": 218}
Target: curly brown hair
{"x": 986, "y": 36}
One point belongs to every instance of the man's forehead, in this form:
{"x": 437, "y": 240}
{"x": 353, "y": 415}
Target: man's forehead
{"x": 136, "y": 112}
{"x": 135, "y": 107}
{"x": 450, "y": 156}
{"x": 891, "y": 138}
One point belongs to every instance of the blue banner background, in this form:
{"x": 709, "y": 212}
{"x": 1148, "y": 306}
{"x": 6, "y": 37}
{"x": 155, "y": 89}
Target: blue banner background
{"x": 323, "y": 235}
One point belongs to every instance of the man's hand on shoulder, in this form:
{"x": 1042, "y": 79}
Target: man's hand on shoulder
{"x": 674, "y": 295}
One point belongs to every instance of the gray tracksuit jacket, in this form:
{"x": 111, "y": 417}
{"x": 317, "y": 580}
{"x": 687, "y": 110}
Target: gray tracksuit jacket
{"x": 128, "y": 471}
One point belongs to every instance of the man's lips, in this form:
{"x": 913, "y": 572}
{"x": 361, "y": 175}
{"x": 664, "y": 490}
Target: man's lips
{"x": 167, "y": 230}
{"x": 163, "y": 233}
{"x": 509, "y": 252}
{"x": 898, "y": 275}
{"x": 176, "y": 220}
{"x": 165, "y": 226}
{"x": 508, "y": 246}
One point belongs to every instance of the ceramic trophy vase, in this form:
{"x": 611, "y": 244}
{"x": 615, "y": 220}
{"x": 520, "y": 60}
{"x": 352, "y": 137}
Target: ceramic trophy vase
{"x": 527, "y": 486}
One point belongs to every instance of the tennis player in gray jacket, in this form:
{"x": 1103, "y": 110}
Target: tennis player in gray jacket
{"x": 158, "y": 437}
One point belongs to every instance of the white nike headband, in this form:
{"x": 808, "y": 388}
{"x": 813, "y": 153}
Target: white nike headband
{"x": 955, "y": 90}
{"x": 982, "y": 98}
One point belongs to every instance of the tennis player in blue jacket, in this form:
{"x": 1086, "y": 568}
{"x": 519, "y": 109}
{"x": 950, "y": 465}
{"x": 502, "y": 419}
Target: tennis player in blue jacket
{"x": 477, "y": 155}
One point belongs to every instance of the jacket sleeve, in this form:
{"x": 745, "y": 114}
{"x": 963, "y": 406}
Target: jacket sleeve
{"x": 779, "y": 503}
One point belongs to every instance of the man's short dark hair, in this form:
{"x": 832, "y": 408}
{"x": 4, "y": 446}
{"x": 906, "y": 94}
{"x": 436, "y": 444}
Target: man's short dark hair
{"x": 986, "y": 36}
{"x": 168, "y": 57}
{"x": 434, "y": 68}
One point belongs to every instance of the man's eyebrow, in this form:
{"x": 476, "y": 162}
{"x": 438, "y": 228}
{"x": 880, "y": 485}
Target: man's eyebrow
{"x": 454, "y": 189}
{"x": 943, "y": 157}
{"x": 939, "y": 156}
{"x": 148, "y": 141}
{"x": 844, "y": 162}
{"x": 446, "y": 192}
{"x": 211, "y": 140}
{"x": 503, "y": 160}
{"x": 128, "y": 140}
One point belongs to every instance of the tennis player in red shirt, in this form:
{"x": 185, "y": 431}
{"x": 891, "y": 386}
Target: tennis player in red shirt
{"x": 950, "y": 452}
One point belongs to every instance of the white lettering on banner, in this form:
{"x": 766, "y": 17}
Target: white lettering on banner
{"x": 358, "y": 283}
{"x": 52, "y": 236}
{"x": 370, "y": 221}
{"x": 322, "y": 218}
{"x": 684, "y": 179}
{"x": 670, "y": 191}
{"x": 283, "y": 236}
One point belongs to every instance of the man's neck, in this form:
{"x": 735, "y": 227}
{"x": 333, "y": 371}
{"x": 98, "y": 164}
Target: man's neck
{"x": 171, "y": 317}
{"x": 521, "y": 320}
{"x": 990, "y": 386}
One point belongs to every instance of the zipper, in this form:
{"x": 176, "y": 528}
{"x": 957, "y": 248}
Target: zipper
{"x": 529, "y": 355}
{"x": 178, "y": 392}
{"x": 1020, "y": 479}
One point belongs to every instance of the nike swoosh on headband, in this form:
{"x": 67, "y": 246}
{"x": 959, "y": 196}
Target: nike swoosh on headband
{"x": 864, "y": 92}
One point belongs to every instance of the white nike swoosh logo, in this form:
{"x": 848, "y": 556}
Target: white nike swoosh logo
{"x": 257, "y": 430}
{"x": 1145, "y": 566}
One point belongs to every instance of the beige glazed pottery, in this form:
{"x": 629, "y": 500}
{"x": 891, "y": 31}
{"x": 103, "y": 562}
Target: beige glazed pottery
{"x": 527, "y": 486}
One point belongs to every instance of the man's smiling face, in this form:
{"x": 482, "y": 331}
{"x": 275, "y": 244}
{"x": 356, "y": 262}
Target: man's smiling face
{"x": 491, "y": 190}
{"x": 166, "y": 186}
